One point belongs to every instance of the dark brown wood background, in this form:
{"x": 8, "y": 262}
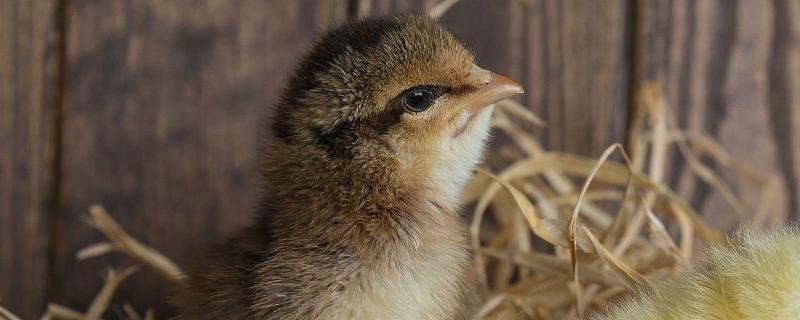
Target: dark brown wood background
{"x": 154, "y": 108}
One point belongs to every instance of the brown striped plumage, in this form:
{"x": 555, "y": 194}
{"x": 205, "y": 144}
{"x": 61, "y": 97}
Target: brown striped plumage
{"x": 362, "y": 219}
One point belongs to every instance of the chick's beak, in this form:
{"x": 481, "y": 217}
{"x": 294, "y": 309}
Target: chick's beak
{"x": 492, "y": 88}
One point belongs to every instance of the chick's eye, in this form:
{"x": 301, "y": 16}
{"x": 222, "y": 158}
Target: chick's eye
{"x": 418, "y": 100}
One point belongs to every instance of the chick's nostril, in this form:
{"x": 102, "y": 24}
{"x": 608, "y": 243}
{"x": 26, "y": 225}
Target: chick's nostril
{"x": 480, "y": 77}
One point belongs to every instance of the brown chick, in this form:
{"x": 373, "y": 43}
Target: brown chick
{"x": 377, "y": 132}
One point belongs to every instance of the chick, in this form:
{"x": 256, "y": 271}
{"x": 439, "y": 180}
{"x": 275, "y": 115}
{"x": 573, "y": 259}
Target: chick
{"x": 755, "y": 276}
{"x": 379, "y": 128}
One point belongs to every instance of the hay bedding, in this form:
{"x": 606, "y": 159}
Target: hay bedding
{"x": 546, "y": 247}
{"x": 596, "y": 254}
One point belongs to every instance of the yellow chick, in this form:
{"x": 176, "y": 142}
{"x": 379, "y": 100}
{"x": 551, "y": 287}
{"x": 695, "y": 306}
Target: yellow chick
{"x": 753, "y": 276}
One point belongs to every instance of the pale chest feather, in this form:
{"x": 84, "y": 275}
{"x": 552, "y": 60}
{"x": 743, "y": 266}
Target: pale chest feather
{"x": 431, "y": 284}
{"x": 452, "y": 166}
{"x": 424, "y": 287}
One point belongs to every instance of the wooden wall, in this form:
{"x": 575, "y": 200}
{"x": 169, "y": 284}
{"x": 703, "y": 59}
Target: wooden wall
{"x": 154, "y": 108}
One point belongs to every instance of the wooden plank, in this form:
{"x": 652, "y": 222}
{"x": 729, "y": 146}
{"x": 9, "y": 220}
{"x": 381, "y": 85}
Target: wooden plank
{"x": 714, "y": 61}
{"x": 388, "y": 7}
{"x": 784, "y": 98}
{"x": 164, "y": 109}
{"x": 329, "y": 13}
{"x": 590, "y": 46}
{"x": 28, "y": 60}
{"x": 570, "y": 57}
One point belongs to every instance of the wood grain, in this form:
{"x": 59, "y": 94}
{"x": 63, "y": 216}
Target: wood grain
{"x": 784, "y": 98}
{"x": 577, "y": 72}
{"x": 28, "y": 58}
{"x": 720, "y": 66}
{"x": 569, "y": 55}
{"x": 163, "y": 110}
{"x": 164, "y": 105}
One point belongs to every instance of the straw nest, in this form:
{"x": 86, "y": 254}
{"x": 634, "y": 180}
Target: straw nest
{"x": 551, "y": 248}
{"x": 547, "y": 247}
{"x": 555, "y": 235}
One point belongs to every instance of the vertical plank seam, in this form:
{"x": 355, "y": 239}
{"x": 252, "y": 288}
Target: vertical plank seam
{"x": 724, "y": 38}
{"x": 52, "y": 198}
{"x": 779, "y": 101}
{"x": 683, "y": 89}
{"x": 631, "y": 43}
{"x": 352, "y": 10}
{"x": 561, "y": 85}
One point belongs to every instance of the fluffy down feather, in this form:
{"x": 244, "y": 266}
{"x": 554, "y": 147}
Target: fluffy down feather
{"x": 753, "y": 276}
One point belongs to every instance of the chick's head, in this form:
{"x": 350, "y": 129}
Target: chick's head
{"x": 399, "y": 87}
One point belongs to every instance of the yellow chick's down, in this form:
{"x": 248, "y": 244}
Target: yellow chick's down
{"x": 753, "y": 276}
